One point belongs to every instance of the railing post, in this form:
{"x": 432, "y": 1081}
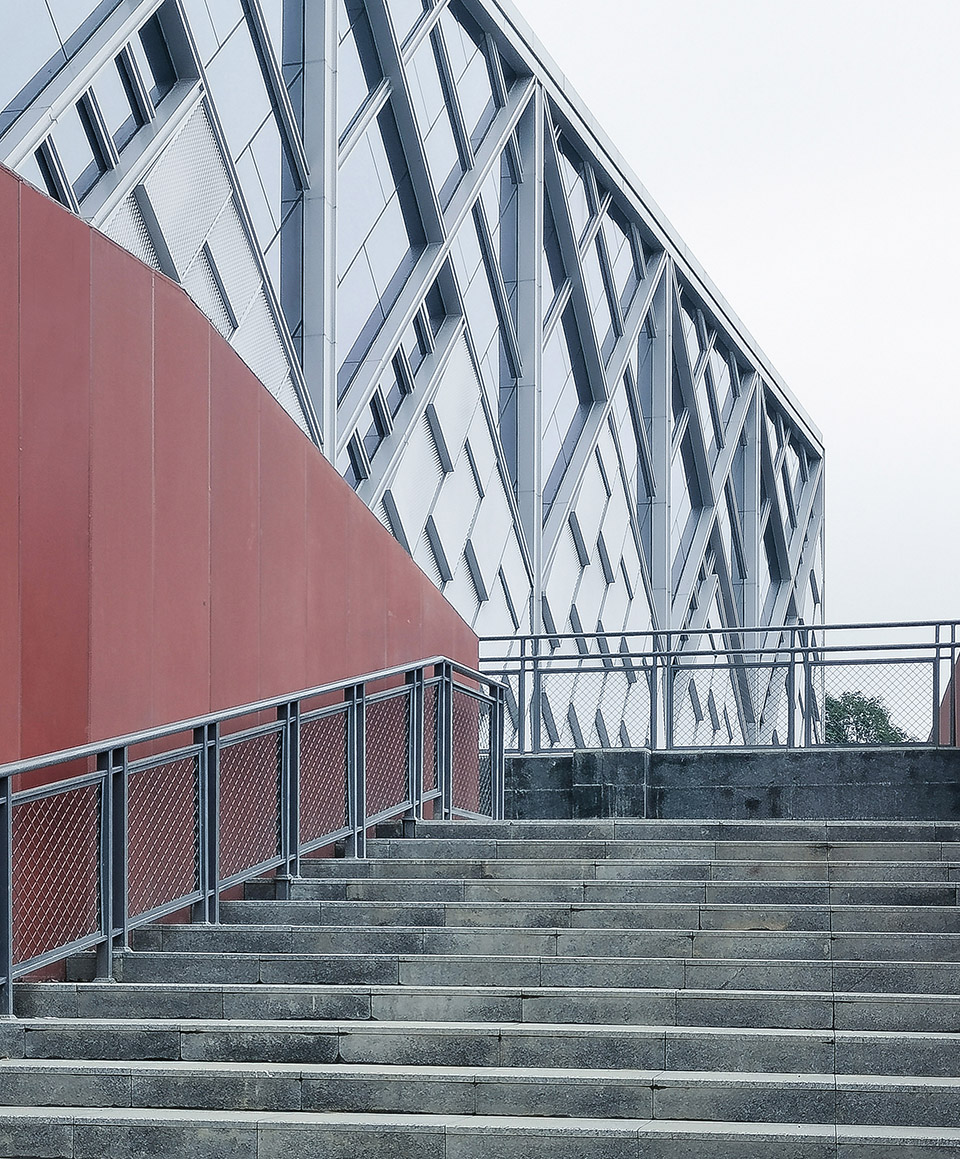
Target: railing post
{"x": 445, "y": 739}
{"x": 112, "y": 764}
{"x": 937, "y": 732}
{"x": 668, "y": 689}
{"x": 792, "y": 692}
{"x": 808, "y": 700}
{"x": 536, "y": 700}
{"x": 356, "y": 770}
{"x": 208, "y": 805}
{"x": 6, "y": 896}
{"x": 954, "y": 691}
{"x": 522, "y": 698}
{"x": 289, "y": 715}
{"x": 414, "y": 681}
{"x": 497, "y": 762}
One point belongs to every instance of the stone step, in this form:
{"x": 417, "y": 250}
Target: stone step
{"x": 491, "y": 969}
{"x": 262, "y": 1039}
{"x": 35, "y": 1132}
{"x": 662, "y": 847}
{"x": 705, "y": 868}
{"x": 682, "y": 830}
{"x": 759, "y": 946}
{"x": 536, "y": 1092}
{"x": 649, "y": 890}
{"x": 599, "y": 915}
{"x": 731, "y": 1008}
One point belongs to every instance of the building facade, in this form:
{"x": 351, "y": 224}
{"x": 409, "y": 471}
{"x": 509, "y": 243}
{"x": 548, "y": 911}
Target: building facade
{"x": 410, "y": 230}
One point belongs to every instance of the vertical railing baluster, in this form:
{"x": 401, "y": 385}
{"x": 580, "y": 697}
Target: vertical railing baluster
{"x": 288, "y": 822}
{"x": 355, "y": 697}
{"x": 445, "y": 739}
{"x": 536, "y": 700}
{"x": 668, "y": 683}
{"x": 522, "y": 707}
{"x": 954, "y": 690}
{"x": 415, "y": 734}
{"x": 6, "y": 896}
{"x": 792, "y": 691}
{"x": 497, "y": 761}
{"x": 208, "y": 805}
{"x": 112, "y": 765}
{"x": 937, "y": 731}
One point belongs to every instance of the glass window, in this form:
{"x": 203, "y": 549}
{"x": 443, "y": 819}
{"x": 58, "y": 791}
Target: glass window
{"x": 153, "y": 56}
{"x": 77, "y": 148}
{"x": 469, "y": 70}
{"x": 571, "y": 170}
{"x": 358, "y": 67}
{"x": 115, "y": 96}
{"x": 599, "y": 302}
{"x": 378, "y": 429}
{"x": 34, "y": 169}
{"x": 623, "y": 263}
{"x": 405, "y": 15}
{"x": 378, "y": 215}
{"x": 433, "y": 115}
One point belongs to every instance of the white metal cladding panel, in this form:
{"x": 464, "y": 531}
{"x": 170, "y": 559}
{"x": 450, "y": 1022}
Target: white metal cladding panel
{"x": 257, "y": 341}
{"x": 591, "y": 593}
{"x": 202, "y": 287}
{"x": 462, "y": 593}
{"x": 518, "y": 584}
{"x": 492, "y": 530}
{"x": 455, "y": 508}
{"x": 457, "y": 398}
{"x": 416, "y": 483}
{"x": 615, "y": 604}
{"x": 235, "y": 261}
{"x": 127, "y": 228}
{"x": 564, "y": 577}
{"x": 188, "y": 187}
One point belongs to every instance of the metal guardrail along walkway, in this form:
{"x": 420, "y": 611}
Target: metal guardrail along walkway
{"x": 800, "y": 686}
{"x": 145, "y": 825}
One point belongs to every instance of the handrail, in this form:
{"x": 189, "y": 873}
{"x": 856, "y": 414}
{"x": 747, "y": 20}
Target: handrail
{"x": 677, "y": 690}
{"x": 173, "y": 829}
{"x": 144, "y": 736}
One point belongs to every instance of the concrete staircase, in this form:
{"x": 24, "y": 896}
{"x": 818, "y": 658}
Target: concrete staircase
{"x": 577, "y": 990}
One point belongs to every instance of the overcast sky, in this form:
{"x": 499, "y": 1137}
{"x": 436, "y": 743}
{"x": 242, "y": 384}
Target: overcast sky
{"x": 807, "y": 152}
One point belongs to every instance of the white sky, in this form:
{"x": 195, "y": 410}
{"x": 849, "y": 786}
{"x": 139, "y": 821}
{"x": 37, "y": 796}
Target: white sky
{"x": 807, "y": 152}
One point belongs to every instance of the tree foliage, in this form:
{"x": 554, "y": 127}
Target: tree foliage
{"x": 852, "y": 718}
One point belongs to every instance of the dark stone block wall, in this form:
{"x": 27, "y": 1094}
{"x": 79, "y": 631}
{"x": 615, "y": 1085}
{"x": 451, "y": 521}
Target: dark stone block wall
{"x": 805, "y": 784}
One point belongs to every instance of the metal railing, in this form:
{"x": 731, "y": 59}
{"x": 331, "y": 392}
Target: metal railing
{"x": 800, "y": 686}
{"x": 169, "y": 818}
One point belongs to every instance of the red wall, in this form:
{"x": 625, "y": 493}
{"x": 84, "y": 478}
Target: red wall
{"x": 170, "y": 542}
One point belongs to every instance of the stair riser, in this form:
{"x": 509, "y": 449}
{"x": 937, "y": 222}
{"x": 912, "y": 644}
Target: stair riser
{"x": 642, "y": 1008}
{"x": 762, "y": 945}
{"x": 491, "y": 970}
{"x": 652, "y": 829}
{"x": 607, "y": 892}
{"x": 522, "y": 870}
{"x": 647, "y": 915}
{"x": 623, "y": 1097}
{"x": 812, "y": 851}
{"x": 99, "y": 1135}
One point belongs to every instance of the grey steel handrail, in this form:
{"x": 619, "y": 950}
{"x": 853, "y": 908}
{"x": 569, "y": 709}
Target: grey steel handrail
{"x": 423, "y": 762}
{"x": 780, "y": 673}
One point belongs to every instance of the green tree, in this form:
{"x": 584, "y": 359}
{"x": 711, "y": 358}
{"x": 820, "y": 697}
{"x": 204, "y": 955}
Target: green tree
{"x": 852, "y": 718}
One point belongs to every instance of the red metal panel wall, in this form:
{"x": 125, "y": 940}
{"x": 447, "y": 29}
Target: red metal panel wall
{"x": 170, "y": 542}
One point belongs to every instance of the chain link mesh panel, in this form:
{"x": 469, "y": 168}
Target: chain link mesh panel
{"x": 430, "y": 697}
{"x": 387, "y": 733}
{"x": 323, "y": 776}
{"x": 249, "y": 802}
{"x": 56, "y": 871}
{"x": 472, "y": 769}
{"x": 890, "y": 702}
{"x": 163, "y": 841}
{"x": 707, "y": 702}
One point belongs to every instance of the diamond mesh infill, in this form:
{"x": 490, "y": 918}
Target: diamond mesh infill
{"x": 56, "y": 871}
